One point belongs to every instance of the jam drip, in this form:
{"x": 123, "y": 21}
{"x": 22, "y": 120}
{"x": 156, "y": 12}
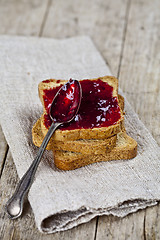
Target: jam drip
{"x": 98, "y": 106}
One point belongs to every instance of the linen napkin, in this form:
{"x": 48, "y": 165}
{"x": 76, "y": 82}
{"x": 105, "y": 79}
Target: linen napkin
{"x": 63, "y": 199}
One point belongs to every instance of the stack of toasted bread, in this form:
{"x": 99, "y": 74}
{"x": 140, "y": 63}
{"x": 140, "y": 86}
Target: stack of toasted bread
{"x": 74, "y": 148}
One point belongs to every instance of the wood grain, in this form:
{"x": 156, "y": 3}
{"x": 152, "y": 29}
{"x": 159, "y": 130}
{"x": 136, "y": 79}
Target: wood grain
{"x": 104, "y": 21}
{"x": 130, "y": 227}
{"x": 140, "y": 71}
{"x": 20, "y": 17}
{"x": 152, "y": 223}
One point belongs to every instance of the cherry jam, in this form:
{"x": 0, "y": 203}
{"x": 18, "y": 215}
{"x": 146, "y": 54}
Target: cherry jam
{"x": 66, "y": 102}
{"x": 98, "y": 106}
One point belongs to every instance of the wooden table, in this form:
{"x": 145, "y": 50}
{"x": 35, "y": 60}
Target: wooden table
{"x": 127, "y": 33}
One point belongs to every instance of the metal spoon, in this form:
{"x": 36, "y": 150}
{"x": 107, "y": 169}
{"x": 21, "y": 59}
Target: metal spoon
{"x": 69, "y": 108}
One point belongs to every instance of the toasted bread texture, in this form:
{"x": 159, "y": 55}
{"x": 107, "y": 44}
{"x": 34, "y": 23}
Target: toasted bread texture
{"x": 80, "y": 147}
{"x": 76, "y": 134}
{"x": 53, "y": 83}
{"x": 126, "y": 148}
{"x": 90, "y": 146}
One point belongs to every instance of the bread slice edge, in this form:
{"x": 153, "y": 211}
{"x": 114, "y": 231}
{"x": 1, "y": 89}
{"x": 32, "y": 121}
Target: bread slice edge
{"x": 126, "y": 148}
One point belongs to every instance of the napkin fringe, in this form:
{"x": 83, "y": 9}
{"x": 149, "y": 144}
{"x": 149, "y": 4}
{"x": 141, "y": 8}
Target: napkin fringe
{"x": 66, "y": 220}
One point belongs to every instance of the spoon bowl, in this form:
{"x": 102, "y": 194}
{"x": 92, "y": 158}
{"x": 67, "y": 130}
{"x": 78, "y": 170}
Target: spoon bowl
{"x": 66, "y": 102}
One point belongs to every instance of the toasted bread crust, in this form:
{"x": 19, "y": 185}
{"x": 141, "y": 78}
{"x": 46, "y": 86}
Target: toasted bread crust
{"x": 94, "y": 133}
{"x": 76, "y": 148}
{"x": 87, "y": 146}
{"x": 52, "y": 83}
{"x": 126, "y": 148}
{"x": 81, "y": 146}
{"x": 76, "y": 134}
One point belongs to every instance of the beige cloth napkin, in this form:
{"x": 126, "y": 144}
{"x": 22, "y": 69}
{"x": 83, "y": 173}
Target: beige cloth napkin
{"x": 63, "y": 199}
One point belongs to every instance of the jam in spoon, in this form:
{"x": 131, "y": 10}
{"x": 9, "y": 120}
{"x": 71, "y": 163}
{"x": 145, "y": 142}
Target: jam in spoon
{"x": 64, "y": 107}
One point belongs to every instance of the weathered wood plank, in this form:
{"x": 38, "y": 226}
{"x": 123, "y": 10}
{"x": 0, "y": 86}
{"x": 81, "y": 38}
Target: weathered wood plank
{"x": 130, "y": 227}
{"x": 20, "y": 17}
{"x": 24, "y": 228}
{"x": 103, "y": 21}
{"x": 140, "y": 72}
{"x": 152, "y": 223}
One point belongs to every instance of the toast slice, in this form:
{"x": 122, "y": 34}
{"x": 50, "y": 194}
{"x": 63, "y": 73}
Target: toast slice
{"x": 126, "y": 148}
{"x": 82, "y": 145}
{"x": 50, "y": 84}
{"x": 90, "y": 146}
{"x": 66, "y": 134}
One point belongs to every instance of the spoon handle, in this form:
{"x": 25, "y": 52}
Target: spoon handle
{"x": 14, "y": 206}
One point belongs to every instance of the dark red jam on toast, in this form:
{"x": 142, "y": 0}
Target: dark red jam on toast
{"x": 98, "y": 106}
{"x": 66, "y": 102}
